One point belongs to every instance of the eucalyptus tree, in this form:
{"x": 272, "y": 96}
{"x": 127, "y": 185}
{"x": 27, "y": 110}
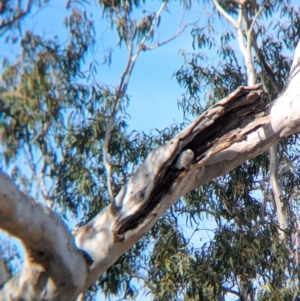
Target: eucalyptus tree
{"x": 262, "y": 188}
{"x": 132, "y": 191}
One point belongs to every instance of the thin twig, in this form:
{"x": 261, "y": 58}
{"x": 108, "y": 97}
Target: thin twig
{"x": 179, "y": 32}
{"x": 266, "y": 67}
{"x": 107, "y": 164}
{"x": 231, "y": 291}
{"x": 194, "y": 211}
{"x": 15, "y": 18}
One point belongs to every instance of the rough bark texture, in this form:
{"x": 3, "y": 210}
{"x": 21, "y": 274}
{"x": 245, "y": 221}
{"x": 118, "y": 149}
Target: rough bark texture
{"x": 237, "y": 128}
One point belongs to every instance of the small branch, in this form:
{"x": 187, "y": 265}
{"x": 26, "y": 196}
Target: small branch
{"x": 240, "y": 37}
{"x": 173, "y": 215}
{"x": 131, "y": 62}
{"x": 260, "y": 56}
{"x": 44, "y": 189}
{"x": 4, "y": 25}
{"x": 231, "y": 291}
{"x": 143, "y": 278}
{"x": 106, "y": 157}
{"x": 190, "y": 238}
{"x": 119, "y": 95}
{"x": 277, "y": 193}
{"x": 179, "y": 32}
{"x": 240, "y": 17}
{"x": 29, "y": 157}
{"x": 246, "y": 47}
{"x": 249, "y": 33}
{"x": 249, "y": 43}
{"x": 222, "y": 12}
{"x": 154, "y": 22}
{"x": 122, "y": 88}
{"x": 266, "y": 67}
{"x": 194, "y": 211}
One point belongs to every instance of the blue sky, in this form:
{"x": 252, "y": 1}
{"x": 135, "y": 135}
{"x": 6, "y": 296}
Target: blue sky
{"x": 152, "y": 90}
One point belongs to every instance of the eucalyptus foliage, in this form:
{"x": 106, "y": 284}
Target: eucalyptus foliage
{"x": 54, "y": 112}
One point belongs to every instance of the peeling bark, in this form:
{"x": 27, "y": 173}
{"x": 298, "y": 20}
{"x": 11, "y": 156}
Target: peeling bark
{"x": 237, "y": 128}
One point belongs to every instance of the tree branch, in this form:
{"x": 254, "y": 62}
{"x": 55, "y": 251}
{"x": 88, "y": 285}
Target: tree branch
{"x": 195, "y": 211}
{"x": 266, "y": 67}
{"x": 6, "y": 24}
{"x": 52, "y": 261}
{"x": 245, "y": 47}
{"x": 223, "y": 13}
{"x": 121, "y": 90}
{"x": 281, "y": 206}
{"x": 231, "y": 291}
{"x": 179, "y": 32}
{"x": 155, "y": 185}
{"x": 250, "y": 31}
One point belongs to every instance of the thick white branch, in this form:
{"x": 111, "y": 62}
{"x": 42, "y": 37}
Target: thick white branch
{"x": 54, "y": 269}
{"x": 138, "y": 213}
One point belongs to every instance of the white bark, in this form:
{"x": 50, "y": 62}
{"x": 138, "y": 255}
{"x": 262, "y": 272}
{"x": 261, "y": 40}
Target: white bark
{"x": 277, "y": 189}
{"x": 52, "y": 261}
{"x": 234, "y": 130}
